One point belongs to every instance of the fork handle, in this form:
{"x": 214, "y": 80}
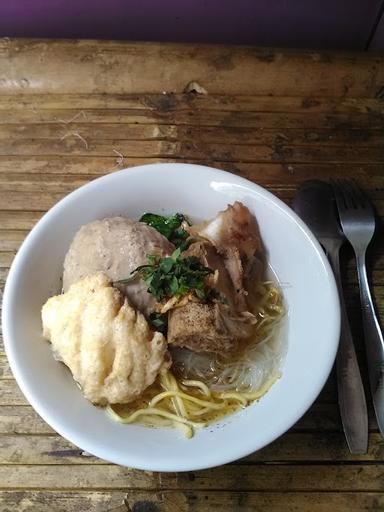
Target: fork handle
{"x": 351, "y": 396}
{"x": 374, "y": 343}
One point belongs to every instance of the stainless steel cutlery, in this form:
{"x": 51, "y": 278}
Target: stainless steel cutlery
{"x": 358, "y": 222}
{"x": 314, "y": 203}
{"x": 336, "y": 213}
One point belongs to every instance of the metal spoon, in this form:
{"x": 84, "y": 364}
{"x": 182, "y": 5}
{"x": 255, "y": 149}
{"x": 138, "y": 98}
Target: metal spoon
{"x": 314, "y": 202}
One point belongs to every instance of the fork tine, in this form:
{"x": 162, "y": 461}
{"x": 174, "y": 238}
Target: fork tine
{"x": 349, "y": 195}
{"x": 359, "y": 197}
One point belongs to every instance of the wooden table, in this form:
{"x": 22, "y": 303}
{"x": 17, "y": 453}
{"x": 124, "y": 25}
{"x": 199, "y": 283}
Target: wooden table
{"x": 72, "y": 111}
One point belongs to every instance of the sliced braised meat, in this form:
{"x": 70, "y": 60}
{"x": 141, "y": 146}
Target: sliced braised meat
{"x": 209, "y": 257}
{"x": 235, "y": 235}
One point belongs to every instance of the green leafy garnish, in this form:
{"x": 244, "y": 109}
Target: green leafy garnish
{"x": 170, "y": 227}
{"x": 174, "y": 276}
{"x": 159, "y": 321}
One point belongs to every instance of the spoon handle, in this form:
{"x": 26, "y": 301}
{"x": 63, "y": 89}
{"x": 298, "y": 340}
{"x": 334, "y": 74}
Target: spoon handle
{"x": 352, "y": 404}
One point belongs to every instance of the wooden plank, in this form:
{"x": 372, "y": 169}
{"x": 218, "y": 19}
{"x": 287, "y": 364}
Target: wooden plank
{"x": 74, "y": 145}
{"x": 5, "y": 370}
{"x": 257, "y": 502}
{"x": 189, "y": 101}
{"x": 19, "y": 220}
{"x": 120, "y": 67}
{"x": 36, "y": 201}
{"x": 201, "y": 150}
{"x": 316, "y": 447}
{"x": 269, "y": 174}
{"x": 61, "y": 118}
{"x": 22, "y": 420}
{"x": 188, "y": 501}
{"x": 228, "y": 135}
{"x": 40, "y": 201}
{"x": 291, "y": 447}
{"x": 76, "y": 501}
{"x": 42, "y": 449}
{"x": 57, "y": 131}
{"x": 83, "y": 165}
{"x": 42, "y": 182}
{"x": 287, "y": 174}
{"x": 10, "y": 393}
{"x": 10, "y": 240}
{"x": 6, "y": 258}
{"x": 306, "y": 477}
{"x": 26, "y": 183}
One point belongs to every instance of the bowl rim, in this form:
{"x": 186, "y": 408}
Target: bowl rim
{"x": 83, "y": 443}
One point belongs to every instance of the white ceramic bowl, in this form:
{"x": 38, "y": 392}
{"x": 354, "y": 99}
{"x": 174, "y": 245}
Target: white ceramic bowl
{"x": 200, "y": 192}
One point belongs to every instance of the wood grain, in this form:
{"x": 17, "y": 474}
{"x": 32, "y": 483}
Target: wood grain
{"x": 294, "y": 447}
{"x": 114, "y": 133}
{"x": 71, "y": 111}
{"x": 176, "y": 102}
{"x": 270, "y": 174}
{"x": 195, "y": 118}
{"x": 188, "y": 501}
{"x": 118, "y": 67}
{"x": 301, "y": 477}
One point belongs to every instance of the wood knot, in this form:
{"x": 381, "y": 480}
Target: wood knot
{"x": 195, "y": 87}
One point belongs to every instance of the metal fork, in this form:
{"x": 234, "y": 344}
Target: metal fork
{"x": 357, "y": 219}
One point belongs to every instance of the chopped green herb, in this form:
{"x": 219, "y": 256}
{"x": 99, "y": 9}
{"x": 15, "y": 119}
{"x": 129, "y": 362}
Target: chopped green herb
{"x": 159, "y": 321}
{"x": 175, "y": 276}
{"x": 170, "y": 227}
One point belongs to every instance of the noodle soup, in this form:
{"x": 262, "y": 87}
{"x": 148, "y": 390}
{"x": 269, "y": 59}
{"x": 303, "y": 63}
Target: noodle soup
{"x": 167, "y": 323}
